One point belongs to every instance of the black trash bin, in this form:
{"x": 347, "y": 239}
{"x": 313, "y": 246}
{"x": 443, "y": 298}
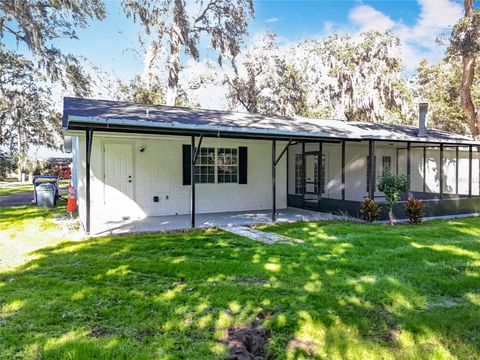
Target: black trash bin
{"x": 45, "y": 195}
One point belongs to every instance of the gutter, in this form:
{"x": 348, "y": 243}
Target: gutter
{"x": 90, "y": 122}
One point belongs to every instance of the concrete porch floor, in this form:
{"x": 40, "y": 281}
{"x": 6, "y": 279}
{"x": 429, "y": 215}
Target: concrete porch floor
{"x": 182, "y": 222}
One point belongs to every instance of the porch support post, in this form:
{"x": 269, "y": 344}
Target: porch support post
{"x": 409, "y": 166}
{"x": 343, "y": 170}
{"x": 320, "y": 170}
{"x": 457, "y": 157}
{"x": 424, "y": 169}
{"x": 274, "y": 190}
{"x": 304, "y": 173}
{"x": 440, "y": 172}
{"x": 371, "y": 167}
{"x": 88, "y": 153}
{"x": 470, "y": 172}
{"x": 396, "y": 163}
{"x": 192, "y": 182}
{"x": 478, "y": 161}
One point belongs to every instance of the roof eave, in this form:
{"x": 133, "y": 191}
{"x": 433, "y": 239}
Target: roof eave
{"x": 92, "y": 122}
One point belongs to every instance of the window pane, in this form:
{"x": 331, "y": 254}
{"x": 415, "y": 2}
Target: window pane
{"x": 205, "y": 166}
{"x": 298, "y": 174}
{"x": 227, "y": 164}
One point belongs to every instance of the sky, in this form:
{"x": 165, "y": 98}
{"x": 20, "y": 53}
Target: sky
{"x": 113, "y": 43}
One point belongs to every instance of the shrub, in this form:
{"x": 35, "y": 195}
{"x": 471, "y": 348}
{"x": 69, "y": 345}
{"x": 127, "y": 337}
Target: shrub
{"x": 392, "y": 185}
{"x": 370, "y": 210}
{"x": 414, "y": 209}
{"x": 63, "y": 172}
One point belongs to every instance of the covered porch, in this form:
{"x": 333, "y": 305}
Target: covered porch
{"x": 211, "y": 220}
{"x": 446, "y": 176}
{"x": 325, "y": 166}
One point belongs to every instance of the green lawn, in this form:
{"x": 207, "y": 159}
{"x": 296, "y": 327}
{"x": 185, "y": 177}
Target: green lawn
{"x": 15, "y": 189}
{"x": 6, "y": 188}
{"x": 350, "y": 291}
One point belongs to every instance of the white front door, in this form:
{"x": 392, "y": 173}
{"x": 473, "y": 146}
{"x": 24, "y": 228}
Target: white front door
{"x": 118, "y": 179}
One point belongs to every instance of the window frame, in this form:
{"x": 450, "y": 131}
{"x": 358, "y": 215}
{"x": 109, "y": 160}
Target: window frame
{"x": 385, "y": 157}
{"x": 213, "y": 177}
{"x": 233, "y": 165}
{"x": 299, "y": 175}
{"x": 199, "y": 166}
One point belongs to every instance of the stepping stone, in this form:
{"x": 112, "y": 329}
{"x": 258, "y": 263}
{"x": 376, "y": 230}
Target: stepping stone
{"x": 260, "y": 236}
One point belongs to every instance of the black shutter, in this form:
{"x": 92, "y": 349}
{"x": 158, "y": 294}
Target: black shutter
{"x": 187, "y": 164}
{"x": 242, "y": 164}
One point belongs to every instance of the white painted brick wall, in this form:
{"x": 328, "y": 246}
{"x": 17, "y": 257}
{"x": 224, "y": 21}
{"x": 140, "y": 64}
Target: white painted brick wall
{"x": 158, "y": 172}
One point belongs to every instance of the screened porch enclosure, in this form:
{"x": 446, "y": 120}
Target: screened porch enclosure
{"x": 446, "y": 177}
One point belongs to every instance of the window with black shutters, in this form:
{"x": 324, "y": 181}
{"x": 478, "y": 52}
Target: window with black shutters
{"x": 216, "y": 165}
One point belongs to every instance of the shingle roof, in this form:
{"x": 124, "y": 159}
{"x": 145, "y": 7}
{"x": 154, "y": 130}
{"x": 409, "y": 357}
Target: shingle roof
{"x": 88, "y": 111}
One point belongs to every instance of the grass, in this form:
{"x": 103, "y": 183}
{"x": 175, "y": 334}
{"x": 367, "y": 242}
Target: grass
{"x": 7, "y": 189}
{"x": 24, "y": 229}
{"x": 15, "y": 189}
{"x": 350, "y": 291}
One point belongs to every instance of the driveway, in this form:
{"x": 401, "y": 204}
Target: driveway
{"x": 23, "y": 198}
{"x": 17, "y": 199}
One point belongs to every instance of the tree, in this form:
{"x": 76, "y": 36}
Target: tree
{"x": 6, "y": 165}
{"x": 356, "y": 79}
{"x": 465, "y": 43}
{"x": 36, "y": 24}
{"x": 336, "y": 77}
{"x": 439, "y": 85}
{"x": 392, "y": 185}
{"x": 224, "y": 22}
{"x": 266, "y": 81}
{"x": 137, "y": 91}
{"x": 26, "y": 115}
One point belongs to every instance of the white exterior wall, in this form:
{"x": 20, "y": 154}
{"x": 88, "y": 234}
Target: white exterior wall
{"x": 157, "y": 171}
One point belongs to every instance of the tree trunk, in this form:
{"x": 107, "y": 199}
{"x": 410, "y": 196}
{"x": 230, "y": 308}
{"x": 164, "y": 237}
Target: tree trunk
{"x": 466, "y": 93}
{"x": 252, "y": 93}
{"x": 173, "y": 67}
{"x": 148, "y": 61}
{"x": 468, "y": 7}
{"x": 391, "y": 217}
{"x": 19, "y": 151}
{"x": 176, "y": 41}
{"x": 467, "y": 81}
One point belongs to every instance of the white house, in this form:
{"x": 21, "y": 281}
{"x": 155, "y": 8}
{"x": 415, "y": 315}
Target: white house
{"x": 135, "y": 161}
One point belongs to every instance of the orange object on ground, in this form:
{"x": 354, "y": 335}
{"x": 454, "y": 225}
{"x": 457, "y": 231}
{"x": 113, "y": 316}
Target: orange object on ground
{"x": 71, "y": 203}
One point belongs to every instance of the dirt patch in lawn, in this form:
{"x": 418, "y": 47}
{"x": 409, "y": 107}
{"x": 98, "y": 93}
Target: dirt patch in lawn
{"x": 143, "y": 334}
{"x": 250, "y": 281}
{"x": 99, "y": 332}
{"x": 302, "y": 347}
{"x": 248, "y": 342}
{"x": 392, "y": 332}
